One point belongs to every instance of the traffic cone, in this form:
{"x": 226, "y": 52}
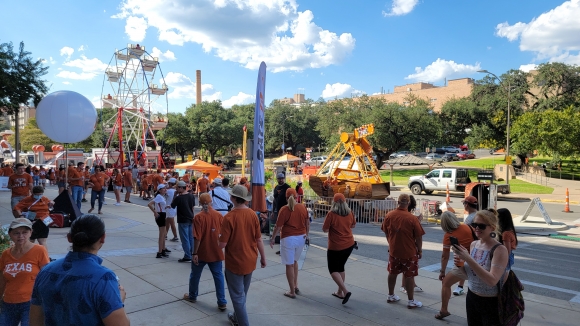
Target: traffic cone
{"x": 448, "y": 198}
{"x": 567, "y": 204}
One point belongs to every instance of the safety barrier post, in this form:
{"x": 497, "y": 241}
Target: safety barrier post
{"x": 447, "y": 198}
{"x": 567, "y": 204}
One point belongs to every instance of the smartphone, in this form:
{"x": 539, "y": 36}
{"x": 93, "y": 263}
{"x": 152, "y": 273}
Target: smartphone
{"x": 454, "y": 241}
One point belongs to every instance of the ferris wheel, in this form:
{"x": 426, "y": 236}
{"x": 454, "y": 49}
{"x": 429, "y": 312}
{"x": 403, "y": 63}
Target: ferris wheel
{"x": 130, "y": 88}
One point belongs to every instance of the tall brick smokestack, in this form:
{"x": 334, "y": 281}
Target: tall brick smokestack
{"x": 198, "y": 86}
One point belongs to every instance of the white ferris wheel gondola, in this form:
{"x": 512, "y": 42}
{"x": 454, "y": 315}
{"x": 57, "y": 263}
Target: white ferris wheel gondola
{"x": 140, "y": 104}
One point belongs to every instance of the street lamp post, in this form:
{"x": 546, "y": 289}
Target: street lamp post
{"x": 507, "y": 148}
{"x": 283, "y": 138}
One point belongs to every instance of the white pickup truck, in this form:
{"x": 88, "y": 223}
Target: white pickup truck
{"x": 438, "y": 180}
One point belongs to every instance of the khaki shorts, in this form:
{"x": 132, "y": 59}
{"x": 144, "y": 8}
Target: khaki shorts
{"x": 458, "y": 272}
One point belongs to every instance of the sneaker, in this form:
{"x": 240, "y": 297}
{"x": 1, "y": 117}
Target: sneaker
{"x": 393, "y": 298}
{"x": 84, "y": 200}
{"x": 184, "y": 260}
{"x": 166, "y": 250}
{"x": 222, "y": 307}
{"x": 159, "y": 255}
{"x": 175, "y": 239}
{"x": 117, "y": 204}
{"x": 187, "y": 298}
{"x": 90, "y": 210}
{"x": 402, "y": 289}
{"x": 232, "y": 318}
{"x": 458, "y": 291}
{"x": 277, "y": 252}
{"x": 414, "y": 304}
{"x": 418, "y": 289}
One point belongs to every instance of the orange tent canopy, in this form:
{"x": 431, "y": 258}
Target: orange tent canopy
{"x": 286, "y": 158}
{"x": 197, "y": 165}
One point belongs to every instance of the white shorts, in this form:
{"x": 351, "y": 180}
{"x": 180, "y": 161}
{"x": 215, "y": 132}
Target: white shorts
{"x": 291, "y": 248}
{"x": 169, "y": 217}
{"x": 118, "y": 188}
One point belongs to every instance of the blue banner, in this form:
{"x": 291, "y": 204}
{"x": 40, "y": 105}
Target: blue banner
{"x": 258, "y": 178}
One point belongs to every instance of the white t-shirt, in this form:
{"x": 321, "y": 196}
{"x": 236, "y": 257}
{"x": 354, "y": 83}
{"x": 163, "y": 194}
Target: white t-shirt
{"x": 160, "y": 203}
{"x": 171, "y": 212}
{"x": 469, "y": 218}
{"x": 219, "y": 204}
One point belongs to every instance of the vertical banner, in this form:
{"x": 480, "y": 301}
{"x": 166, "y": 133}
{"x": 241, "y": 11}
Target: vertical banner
{"x": 258, "y": 178}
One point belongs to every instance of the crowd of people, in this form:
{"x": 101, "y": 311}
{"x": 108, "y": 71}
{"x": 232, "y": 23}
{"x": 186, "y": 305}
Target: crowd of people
{"x": 227, "y": 231}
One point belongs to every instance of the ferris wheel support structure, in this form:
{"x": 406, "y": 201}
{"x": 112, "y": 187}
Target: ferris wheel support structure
{"x": 139, "y": 108}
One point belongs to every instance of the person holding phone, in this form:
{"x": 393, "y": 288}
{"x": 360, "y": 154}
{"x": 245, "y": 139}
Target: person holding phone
{"x": 36, "y": 208}
{"x": 455, "y": 234}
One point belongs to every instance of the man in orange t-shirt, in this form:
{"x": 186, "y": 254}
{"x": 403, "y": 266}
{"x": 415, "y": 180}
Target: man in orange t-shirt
{"x": 202, "y": 184}
{"x": 98, "y": 182}
{"x": 206, "y": 230}
{"x": 405, "y": 237}
{"x": 156, "y": 180}
{"x": 77, "y": 182}
{"x": 20, "y": 183}
{"x": 242, "y": 240}
{"x": 8, "y": 170}
{"x": 128, "y": 183}
{"x": 144, "y": 192}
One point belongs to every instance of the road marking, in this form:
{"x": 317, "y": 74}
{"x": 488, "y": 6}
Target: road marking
{"x": 437, "y": 267}
{"x": 546, "y": 274}
{"x": 554, "y": 288}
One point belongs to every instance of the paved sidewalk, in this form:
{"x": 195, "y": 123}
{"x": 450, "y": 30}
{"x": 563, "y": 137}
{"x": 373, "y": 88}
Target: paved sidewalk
{"x": 155, "y": 286}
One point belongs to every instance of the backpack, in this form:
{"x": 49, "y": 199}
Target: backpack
{"x": 510, "y": 301}
{"x": 230, "y": 205}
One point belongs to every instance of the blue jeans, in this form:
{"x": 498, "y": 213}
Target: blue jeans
{"x": 77, "y": 195}
{"x": 15, "y": 313}
{"x": 186, "y": 235}
{"x": 36, "y": 180}
{"x": 238, "y": 286}
{"x": 101, "y": 195}
{"x": 218, "y": 279}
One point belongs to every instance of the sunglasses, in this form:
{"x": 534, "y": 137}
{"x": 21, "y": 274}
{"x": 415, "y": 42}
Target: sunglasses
{"x": 480, "y": 226}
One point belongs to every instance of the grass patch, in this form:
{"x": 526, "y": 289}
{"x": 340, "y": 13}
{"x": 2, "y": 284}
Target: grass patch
{"x": 522, "y": 187}
{"x": 479, "y": 163}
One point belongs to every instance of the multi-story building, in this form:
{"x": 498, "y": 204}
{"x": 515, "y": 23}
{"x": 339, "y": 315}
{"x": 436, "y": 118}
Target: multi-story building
{"x": 297, "y": 100}
{"x": 437, "y": 95}
{"x": 25, "y": 113}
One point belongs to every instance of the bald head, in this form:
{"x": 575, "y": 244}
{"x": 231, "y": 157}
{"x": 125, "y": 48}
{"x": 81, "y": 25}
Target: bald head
{"x": 403, "y": 200}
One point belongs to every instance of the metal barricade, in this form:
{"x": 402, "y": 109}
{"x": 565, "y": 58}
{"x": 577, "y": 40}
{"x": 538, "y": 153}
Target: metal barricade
{"x": 364, "y": 210}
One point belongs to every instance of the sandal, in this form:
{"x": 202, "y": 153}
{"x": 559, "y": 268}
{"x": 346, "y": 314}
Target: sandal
{"x": 292, "y": 296}
{"x": 334, "y": 294}
{"x": 442, "y": 315}
{"x": 296, "y": 290}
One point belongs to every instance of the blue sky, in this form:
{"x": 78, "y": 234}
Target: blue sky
{"x": 321, "y": 48}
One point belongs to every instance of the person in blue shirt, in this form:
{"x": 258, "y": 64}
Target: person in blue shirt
{"x": 77, "y": 290}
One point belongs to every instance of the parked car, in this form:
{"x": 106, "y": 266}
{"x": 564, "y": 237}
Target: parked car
{"x": 398, "y": 154}
{"x": 449, "y": 157}
{"x": 466, "y": 155}
{"x": 451, "y": 149}
{"x": 440, "y": 179}
{"x": 316, "y": 160}
{"x": 434, "y": 157}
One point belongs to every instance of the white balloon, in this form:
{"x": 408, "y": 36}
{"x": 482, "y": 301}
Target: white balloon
{"x": 66, "y": 117}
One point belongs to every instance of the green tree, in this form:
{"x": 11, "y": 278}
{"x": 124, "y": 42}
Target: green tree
{"x": 296, "y": 123}
{"x": 559, "y": 86}
{"x": 32, "y": 135}
{"x": 458, "y": 116}
{"x": 337, "y": 116}
{"x": 491, "y": 96}
{"x": 550, "y": 132}
{"x": 414, "y": 127}
{"x": 211, "y": 124}
{"x": 177, "y": 135}
{"x": 20, "y": 82}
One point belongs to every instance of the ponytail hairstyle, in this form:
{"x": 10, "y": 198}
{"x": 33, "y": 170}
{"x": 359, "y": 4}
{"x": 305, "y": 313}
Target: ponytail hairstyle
{"x": 291, "y": 197}
{"x": 505, "y": 223}
{"x": 205, "y": 201}
{"x": 85, "y": 231}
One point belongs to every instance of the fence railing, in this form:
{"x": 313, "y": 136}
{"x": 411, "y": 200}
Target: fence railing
{"x": 372, "y": 210}
{"x": 532, "y": 177}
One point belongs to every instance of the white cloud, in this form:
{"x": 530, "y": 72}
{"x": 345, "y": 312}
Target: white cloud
{"x": 136, "y": 28}
{"x": 89, "y": 68}
{"x": 181, "y": 86}
{"x": 242, "y": 31}
{"x": 554, "y": 35}
{"x": 240, "y": 99}
{"x": 441, "y": 69}
{"x": 66, "y": 82}
{"x": 81, "y": 48}
{"x": 339, "y": 90}
{"x": 168, "y": 55}
{"x": 67, "y": 51}
{"x": 528, "y": 67}
{"x": 401, "y": 7}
